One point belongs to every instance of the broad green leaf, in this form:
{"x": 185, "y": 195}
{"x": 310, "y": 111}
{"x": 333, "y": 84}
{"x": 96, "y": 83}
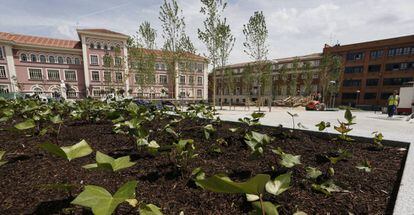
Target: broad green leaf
{"x": 25, "y": 125}
{"x": 101, "y": 201}
{"x": 252, "y": 197}
{"x": 223, "y": 184}
{"x": 233, "y": 129}
{"x": 149, "y": 209}
{"x": 257, "y": 115}
{"x": 269, "y": 208}
{"x": 348, "y": 116}
{"x": 366, "y": 166}
{"x": 312, "y": 172}
{"x": 208, "y": 129}
{"x": 78, "y": 150}
{"x": 323, "y": 125}
{"x": 327, "y": 187}
{"x": 56, "y": 119}
{"x": 256, "y": 141}
{"x": 106, "y": 162}
{"x": 287, "y": 160}
{"x": 279, "y": 185}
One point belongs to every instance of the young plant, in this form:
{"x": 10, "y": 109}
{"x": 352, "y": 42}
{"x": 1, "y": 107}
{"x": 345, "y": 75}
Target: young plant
{"x": 293, "y": 119}
{"x": 340, "y": 155}
{"x": 378, "y": 137}
{"x": 345, "y": 127}
{"x": 69, "y": 153}
{"x": 106, "y": 162}
{"x": 2, "y": 162}
{"x": 184, "y": 151}
{"x": 287, "y": 160}
{"x": 257, "y": 141}
{"x": 323, "y": 125}
{"x": 313, "y": 173}
{"x": 254, "y": 120}
{"x": 208, "y": 130}
{"x": 101, "y": 201}
{"x": 327, "y": 187}
{"x": 365, "y": 166}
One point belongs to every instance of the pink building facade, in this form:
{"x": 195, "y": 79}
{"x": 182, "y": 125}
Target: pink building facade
{"x": 31, "y": 64}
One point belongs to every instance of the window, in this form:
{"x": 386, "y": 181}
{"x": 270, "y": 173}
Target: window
{"x": 37, "y": 90}
{"x": 106, "y": 47}
{"x": 181, "y": 66}
{"x": 396, "y": 81}
{"x": 70, "y": 75}
{"x": 33, "y": 58}
{"x": 182, "y": 94}
{"x": 200, "y": 67}
{"x": 60, "y": 60}
{"x": 118, "y": 61}
{"x": 157, "y": 66}
{"x": 69, "y": 60}
{"x": 94, "y": 60}
{"x": 2, "y": 72}
{"x": 406, "y": 50}
{"x": 42, "y": 59}
{"x": 368, "y": 96}
{"x": 23, "y": 57}
{"x": 71, "y": 93}
{"x": 107, "y": 76}
{"x": 35, "y": 74}
{"x": 376, "y": 54}
{"x": 349, "y": 95}
{"x": 398, "y": 51}
{"x": 385, "y": 95}
{"x": 191, "y": 79}
{"x": 399, "y": 66}
{"x": 374, "y": 68}
{"x": 53, "y": 74}
{"x": 95, "y": 75}
{"x": 371, "y": 82}
{"x": 96, "y": 92}
{"x": 163, "y": 67}
{"x": 4, "y": 89}
{"x": 51, "y": 59}
{"x": 163, "y": 79}
{"x": 98, "y": 45}
{"x": 355, "y": 56}
{"x": 391, "y": 52}
{"x": 182, "y": 79}
{"x": 403, "y": 66}
{"x": 1, "y": 53}
{"x": 77, "y": 61}
{"x": 91, "y": 46}
{"x": 351, "y": 83}
{"x": 354, "y": 69}
{"x": 199, "y": 80}
{"x": 118, "y": 77}
{"x": 199, "y": 93}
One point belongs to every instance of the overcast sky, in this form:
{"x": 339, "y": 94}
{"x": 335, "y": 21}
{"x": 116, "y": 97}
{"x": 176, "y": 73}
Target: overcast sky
{"x": 296, "y": 27}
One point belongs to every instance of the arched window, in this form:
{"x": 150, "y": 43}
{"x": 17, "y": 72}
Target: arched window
{"x": 71, "y": 93}
{"x": 33, "y": 58}
{"x": 51, "y": 59}
{"x": 77, "y": 61}
{"x": 37, "y": 90}
{"x": 112, "y": 48}
{"x": 91, "y": 46}
{"x": 98, "y": 45}
{"x": 106, "y": 47}
{"x": 23, "y": 57}
{"x": 60, "y": 60}
{"x": 42, "y": 59}
{"x": 68, "y": 60}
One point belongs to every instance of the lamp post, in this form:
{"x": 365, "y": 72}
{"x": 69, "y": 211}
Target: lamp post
{"x": 357, "y": 99}
{"x": 332, "y": 96}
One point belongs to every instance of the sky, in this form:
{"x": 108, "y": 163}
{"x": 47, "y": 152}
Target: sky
{"x": 296, "y": 27}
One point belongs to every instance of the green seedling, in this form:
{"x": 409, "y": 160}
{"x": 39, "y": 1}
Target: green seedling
{"x": 323, "y": 125}
{"x": 365, "y": 166}
{"x": 342, "y": 155}
{"x": 208, "y": 130}
{"x": 287, "y": 160}
{"x": 378, "y": 137}
{"x": 327, "y": 187}
{"x": 293, "y": 119}
{"x": 257, "y": 142}
{"x": 106, "y": 162}
{"x": 2, "y": 162}
{"x": 69, "y": 153}
{"x": 254, "y": 120}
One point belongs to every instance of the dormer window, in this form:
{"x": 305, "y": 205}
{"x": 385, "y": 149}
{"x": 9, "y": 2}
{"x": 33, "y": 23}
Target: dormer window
{"x": 23, "y": 57}
{"x": 68, "y": 60}
{"x": 105, "y": 47}
{"x": 42, "y": 59}
{"x": 98, "y": 46}
{"x": 51, "y": 59}
{"x": 60, "y": 60}
{"x": 91, "y": 46}
{"x": 33, "y": 58}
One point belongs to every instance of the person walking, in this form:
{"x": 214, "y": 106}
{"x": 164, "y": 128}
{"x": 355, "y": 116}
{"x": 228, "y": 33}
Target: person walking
{"x": 393, "y": 103}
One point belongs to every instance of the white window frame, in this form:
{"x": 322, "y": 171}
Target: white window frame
{"x": 202, "y": 81}
{"x": 37, "y": 58}
{"x": 21, "y": 59}
{"x": 90, "y": 59}
{"x": 76, "y": 74}
{"x": 47, "y": 74}
{"x": 5, "y": 71}
{"x": 5, "y": 86}
{"x": 2, "y": 55}
{"x": 201, "y": 94}
{"x": 166, "y": 79}
{"x": 77, "y": 61}
{"x": 96, "y": 88}
{"x": 182, "y": 82}
{"x": 99, "y": 75}
{"x": 116, "y": 77}
{"x": 28, "y": 74}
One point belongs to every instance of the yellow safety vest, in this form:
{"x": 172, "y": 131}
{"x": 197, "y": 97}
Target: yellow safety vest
{"x": 393, "y": 100}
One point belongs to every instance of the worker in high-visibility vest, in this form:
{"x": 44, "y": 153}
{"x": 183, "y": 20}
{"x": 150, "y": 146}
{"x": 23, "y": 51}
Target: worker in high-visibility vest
{"x": 393, "y": 103}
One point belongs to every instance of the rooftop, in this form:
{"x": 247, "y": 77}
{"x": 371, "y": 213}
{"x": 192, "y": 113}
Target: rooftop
{"x": 40, "y": 41}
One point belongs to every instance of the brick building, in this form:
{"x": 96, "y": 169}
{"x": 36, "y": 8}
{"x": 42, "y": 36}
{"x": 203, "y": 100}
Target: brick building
{"x": 32, "y": 64}
{"x": 373, "y": 70}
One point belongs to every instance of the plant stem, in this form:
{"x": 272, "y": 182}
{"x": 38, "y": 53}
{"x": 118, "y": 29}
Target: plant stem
{"x": 261, "y": 204}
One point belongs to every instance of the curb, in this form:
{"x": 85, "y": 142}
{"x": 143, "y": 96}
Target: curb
{"x": 404, "y": 204}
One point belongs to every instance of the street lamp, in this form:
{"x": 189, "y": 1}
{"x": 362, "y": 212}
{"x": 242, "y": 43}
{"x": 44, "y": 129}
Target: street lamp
{"x": 332, "y": 96}
{"x": 357, "y": 100}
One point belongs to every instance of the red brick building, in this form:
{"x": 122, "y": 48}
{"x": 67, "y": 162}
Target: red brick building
{"x": 373, "y": 70}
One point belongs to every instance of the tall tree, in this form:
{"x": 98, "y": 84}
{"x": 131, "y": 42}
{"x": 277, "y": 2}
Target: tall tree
{"x": 247, "y": 82}
{"x": 212, "y": 9}
{"x": 225, "y": 44}
{"x": 294, "y": 77}
{"x": 176, "y": 43}
{"x": 307, "y": 78}
{"x": 229, "y": 80}
{"x": 146, "y": 36}
{"x": 329, "y": 72}
{"x": 255, "y": 45}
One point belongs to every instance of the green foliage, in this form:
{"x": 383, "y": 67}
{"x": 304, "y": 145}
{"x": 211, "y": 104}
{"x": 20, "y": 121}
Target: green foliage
{"x": 287, "y": 160}
{"x": 293, "y": 118}
{"x": 341, "y": 155}
{"x": 2, "y": 153}
{"x": 365, "y": 166}
{"x": 257, "y": 141}
{"x": 208, "y": 130}
{"x": 378, "y": 137}
{"x": 28, "y": 124}
{"x": 149, "y": 209}
{"x": 313, "y": 173}
{"x": 101, "y": 201}
{"x": 323, "y": 125}
{"x": 106, "y": 162}
{"x": 69, "y": 153}
{"x": 280, "y": 184}
{"x": 344, "y": 127}
{"x": 268, "y": 208}
{"x": 254, "y": 120}
{"x": 327, "y": 187}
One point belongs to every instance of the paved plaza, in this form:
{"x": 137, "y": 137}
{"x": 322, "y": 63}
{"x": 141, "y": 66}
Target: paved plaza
{"x": 396, "y": 128}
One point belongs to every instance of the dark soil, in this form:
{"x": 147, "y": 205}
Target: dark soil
{"x": 160, "y": 182}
